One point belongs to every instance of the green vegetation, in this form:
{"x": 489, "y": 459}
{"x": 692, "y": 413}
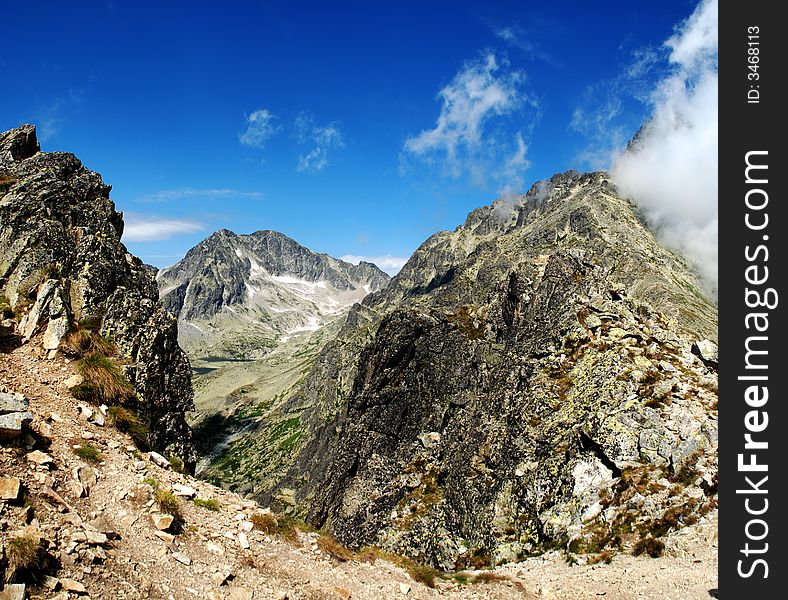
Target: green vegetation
{"x": 167, "y": 502}
{"x": 103, "y": 381}
{"x": 88, "y": 453}
{"x": 25, "y": 557}
{"x": 208, "y": 503}
{"x": 334, "y": 549}
{"x": 5, "y": 308}
{"x": 127, "y": 421}
{"x": 176, "y": 464}
{"x": 283, "y": 526}
{"x": 151, "y": 481}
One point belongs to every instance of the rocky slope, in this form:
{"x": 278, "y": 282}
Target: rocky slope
{"x": 62, "y": 266}
{"x": 100, "y": 533}
{"x": 543, "y": 375}
{"x": 239, "y": 296}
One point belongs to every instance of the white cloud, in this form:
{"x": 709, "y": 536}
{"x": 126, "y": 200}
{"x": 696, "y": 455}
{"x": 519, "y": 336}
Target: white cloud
{"x": 190, "y": 193}
{"x": 260, "y": 127}
{"x": 462, "y": 141}
{"x": 389, "y": 264}
{"x": 145, "y": 228}
{"x": 671, "y": 170}
{"x": 322, "y": 138}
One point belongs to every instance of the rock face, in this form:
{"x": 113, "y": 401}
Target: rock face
{"x": 61, "y": 262}
{"x": 240, "y": 295}
{"x": 527, "y": 379}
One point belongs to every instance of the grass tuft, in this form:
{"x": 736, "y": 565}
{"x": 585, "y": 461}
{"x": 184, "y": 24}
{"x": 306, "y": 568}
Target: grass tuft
{"x": 606, "y": 557}
{"x": 283, "y": 526}
{"x": 103, "y": 381}
{"x": 127, "y": 421}
{"x": 82, "y": 342}
{"x": 176, "y": 464}
{"x": 167, "y": 502}
{"x": 334, "y": 549}
{"x": 209, "y": 504}
{"x": 25, "y": 557}
{"x": 88, "y": 453}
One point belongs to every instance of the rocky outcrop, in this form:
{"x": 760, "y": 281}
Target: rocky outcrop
{"x": 526, "y": 380}
{"x": 62, "y": 263}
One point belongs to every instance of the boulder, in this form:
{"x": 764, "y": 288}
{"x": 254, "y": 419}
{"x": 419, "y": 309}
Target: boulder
{"x": 9, "y": 489}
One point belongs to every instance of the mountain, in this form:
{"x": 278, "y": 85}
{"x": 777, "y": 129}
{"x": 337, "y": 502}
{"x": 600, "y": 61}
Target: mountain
{"x": 240, "y": 296}
{"x": 542, "y": 376}
{"x": 253, "y": 312}
{"x": 68, "y": 280}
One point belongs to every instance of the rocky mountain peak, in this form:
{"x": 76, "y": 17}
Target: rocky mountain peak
{"x": 264, "y": 282}
{"x": 526, "y": 380}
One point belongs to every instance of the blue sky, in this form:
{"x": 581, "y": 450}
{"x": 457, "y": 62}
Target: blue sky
{"x": 357, "y": 130}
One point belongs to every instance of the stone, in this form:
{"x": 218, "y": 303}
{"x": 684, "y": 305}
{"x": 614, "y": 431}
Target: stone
{"x": 104, "y": 524}
{"x": 222, "y": 576}
{"x": 73, "y": 586}
{"x": 9, "y": 489}
{"x": 404, "y": 588}
{"x": 183, "y": 490}
{"x": 40, "y": 458}
{"x": 73, "y": 381}
{"x": 55, "y": 331}
{"x": 593, "y": 321}
{"x": 161, "y": 521}
{"x": 159, "y": 460}
{"x": 182, "y": 558}
{"x": 164, "y": 536}
{"x": 12, "y": 424}
{"x": 11, "y": 402}
{"x": 51, "y": 583}
{"x": 13, "y": 591}
{"x": 243, "y": 540}
{"x": 431, "y": 439}
{"x": 707, "y": 351}
{"x": 343, "y": 593}
{"x": 95, "y": 538}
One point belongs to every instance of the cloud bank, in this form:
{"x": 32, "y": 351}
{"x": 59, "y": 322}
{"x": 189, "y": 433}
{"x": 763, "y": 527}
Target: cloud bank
{"x": 463, "y": 141}
{"x": 163, "y": 196}
{"x": 670, "y": 170}
{"x": 144, "y": 228}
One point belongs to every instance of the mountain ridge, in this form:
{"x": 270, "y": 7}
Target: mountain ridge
{"x": 262, "y": 285}
{"x": 564, "y": 324}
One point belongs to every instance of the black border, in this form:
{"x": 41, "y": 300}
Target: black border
{"x": 746, "y": 126}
